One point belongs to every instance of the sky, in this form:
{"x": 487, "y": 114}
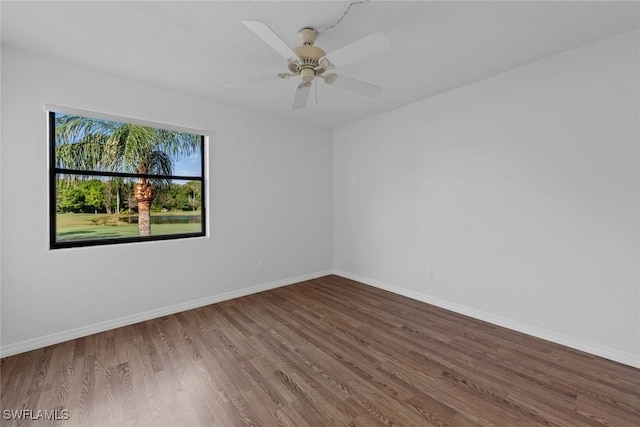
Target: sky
{"x": 189, "y": 166}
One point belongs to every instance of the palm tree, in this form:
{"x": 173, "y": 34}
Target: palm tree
{"x": 88, "y": 144}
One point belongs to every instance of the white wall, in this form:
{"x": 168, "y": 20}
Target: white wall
{"x": 269, "y": 193}
{"x": 521, "y": 192}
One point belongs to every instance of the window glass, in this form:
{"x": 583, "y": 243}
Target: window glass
{"x": 118, "y": 182}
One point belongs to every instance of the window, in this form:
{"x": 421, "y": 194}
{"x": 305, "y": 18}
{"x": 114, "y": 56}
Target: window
{"x": 117, "y": 181}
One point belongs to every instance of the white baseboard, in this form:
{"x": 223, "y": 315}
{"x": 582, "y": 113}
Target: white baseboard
{"x": 558, "y": 338}
{"x": 83, "y": 331}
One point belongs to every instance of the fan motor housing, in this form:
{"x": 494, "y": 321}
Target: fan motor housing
{"x": 296, "y": 66}
{"x": 309, "y": 51}
{"x": 309, "y": 63}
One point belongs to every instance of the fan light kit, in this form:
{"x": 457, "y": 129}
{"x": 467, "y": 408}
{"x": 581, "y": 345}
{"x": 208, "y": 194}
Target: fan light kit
{"x": 309, "y": 62}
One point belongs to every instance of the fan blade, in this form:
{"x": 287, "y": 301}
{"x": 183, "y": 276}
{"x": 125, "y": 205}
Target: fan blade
{"x": 300, "y": 98}
{"x": 250, "y": 80}
{"x": 371, "y": 45}
{"x": 355, "y": 85}
{"x": 265, "y": 33}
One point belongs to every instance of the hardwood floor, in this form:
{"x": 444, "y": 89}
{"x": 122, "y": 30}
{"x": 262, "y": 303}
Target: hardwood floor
{"x": 327, "y": 352}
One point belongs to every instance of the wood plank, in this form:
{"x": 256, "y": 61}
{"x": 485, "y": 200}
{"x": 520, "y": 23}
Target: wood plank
{"x": 324, "y": 352}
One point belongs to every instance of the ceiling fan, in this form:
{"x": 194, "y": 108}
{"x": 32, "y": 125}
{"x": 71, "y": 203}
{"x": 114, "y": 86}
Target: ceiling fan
{"x": 308, "y": 62}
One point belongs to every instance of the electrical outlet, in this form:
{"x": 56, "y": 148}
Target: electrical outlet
{"x": 260, "y": 265}
{"x": 429, "y": 273}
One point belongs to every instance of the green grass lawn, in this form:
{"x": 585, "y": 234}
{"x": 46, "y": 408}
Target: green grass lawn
{"x": 70, "y": 227}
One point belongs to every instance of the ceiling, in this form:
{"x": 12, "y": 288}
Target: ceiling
{"x": 196, "y": 46}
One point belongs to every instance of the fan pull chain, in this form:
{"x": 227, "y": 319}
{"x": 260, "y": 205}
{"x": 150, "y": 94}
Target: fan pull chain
{"x": 316, "y": 85}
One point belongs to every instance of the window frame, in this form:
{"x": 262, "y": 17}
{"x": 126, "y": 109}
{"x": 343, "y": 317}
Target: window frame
{"x": 54, "y": 171}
